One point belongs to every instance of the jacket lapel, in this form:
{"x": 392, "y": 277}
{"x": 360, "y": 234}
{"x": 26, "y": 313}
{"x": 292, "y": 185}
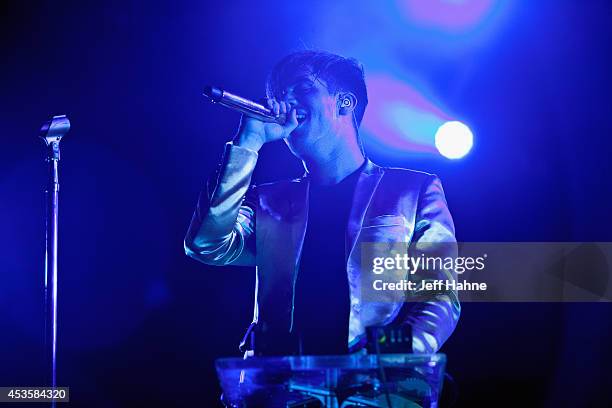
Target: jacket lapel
{"x": 364, "y": 190}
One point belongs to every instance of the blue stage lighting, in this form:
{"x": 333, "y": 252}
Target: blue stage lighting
{"x": 454, "y": 140}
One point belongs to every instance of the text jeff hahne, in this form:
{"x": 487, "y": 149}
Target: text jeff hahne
{"x": 430, "y": 285}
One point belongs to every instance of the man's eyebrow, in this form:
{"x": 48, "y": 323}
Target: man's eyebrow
{"x": 304, "y": 78}
{"x": 295, "y": 81}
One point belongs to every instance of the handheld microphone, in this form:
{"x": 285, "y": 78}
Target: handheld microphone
{"x": 243, "y": 105}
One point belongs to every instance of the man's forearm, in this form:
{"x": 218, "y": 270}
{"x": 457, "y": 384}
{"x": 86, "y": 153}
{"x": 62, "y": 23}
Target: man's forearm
{"x": 433, "y": 322}
{"x": 220, "y": 225}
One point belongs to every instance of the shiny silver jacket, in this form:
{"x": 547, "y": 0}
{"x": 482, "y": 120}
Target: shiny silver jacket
{"x": 264, "y": 226}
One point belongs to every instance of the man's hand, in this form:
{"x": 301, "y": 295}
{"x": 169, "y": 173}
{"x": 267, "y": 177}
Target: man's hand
{"x": 254, "y": 133}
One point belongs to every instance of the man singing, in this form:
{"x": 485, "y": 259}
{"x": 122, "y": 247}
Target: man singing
{"x": 304, "y": 235}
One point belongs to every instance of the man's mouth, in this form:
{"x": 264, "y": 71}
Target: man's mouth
{"x": 301, "y": 116}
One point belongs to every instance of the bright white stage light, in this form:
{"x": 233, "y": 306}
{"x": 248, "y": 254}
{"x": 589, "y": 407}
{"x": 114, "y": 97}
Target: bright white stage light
{"x": 454, "y": 140}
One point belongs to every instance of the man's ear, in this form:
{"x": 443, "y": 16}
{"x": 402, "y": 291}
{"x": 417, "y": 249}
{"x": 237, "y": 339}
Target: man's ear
{"x": 347, "y": 101}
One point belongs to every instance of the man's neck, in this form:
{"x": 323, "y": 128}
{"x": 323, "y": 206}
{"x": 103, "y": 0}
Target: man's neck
{"x": 336, "y": 166}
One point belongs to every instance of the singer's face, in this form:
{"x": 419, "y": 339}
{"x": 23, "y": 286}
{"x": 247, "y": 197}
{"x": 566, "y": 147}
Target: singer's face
{"x": 317, "y": 113}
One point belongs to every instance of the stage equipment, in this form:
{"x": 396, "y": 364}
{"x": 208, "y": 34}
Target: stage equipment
{"x": 412, "y": 380}
{"x": 52, "y": 132}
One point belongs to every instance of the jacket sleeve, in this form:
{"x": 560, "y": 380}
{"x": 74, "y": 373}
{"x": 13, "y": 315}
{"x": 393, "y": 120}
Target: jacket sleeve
{"x": 222, "y": 230}
{"x": 434, "y": 314}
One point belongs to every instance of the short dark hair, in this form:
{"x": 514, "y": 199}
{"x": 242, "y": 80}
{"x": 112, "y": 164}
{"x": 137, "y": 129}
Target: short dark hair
{"x": 339, "y": 73}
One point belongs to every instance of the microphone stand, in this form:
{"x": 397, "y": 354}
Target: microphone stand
{"x": 52, "y": 132}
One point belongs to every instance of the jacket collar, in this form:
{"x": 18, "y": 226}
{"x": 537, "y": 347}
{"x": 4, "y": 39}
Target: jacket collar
{"x": 370, "y": 168}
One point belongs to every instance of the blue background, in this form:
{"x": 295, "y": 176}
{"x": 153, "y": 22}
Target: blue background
{"x": 140, "y": 322}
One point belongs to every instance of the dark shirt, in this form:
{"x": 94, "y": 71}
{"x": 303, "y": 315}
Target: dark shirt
{"x": 322, "y": 300}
